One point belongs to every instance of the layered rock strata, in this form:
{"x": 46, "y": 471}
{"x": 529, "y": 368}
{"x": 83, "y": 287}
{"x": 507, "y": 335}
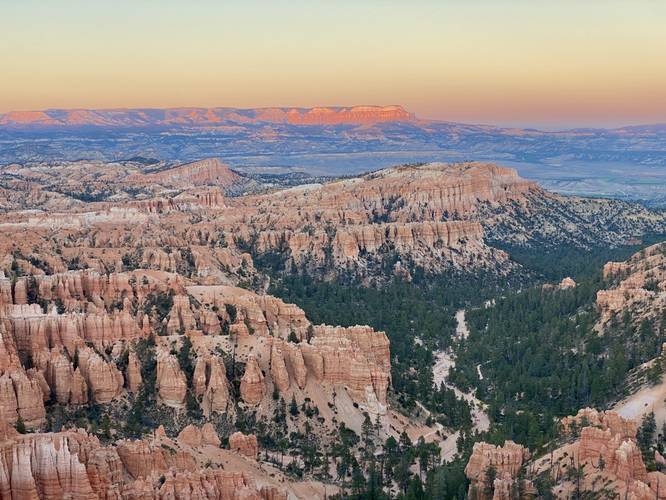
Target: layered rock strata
{"x": 73, "y": 464}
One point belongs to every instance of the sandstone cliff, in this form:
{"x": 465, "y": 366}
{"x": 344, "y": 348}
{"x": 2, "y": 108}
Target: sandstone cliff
{"x": 73, "y": 464}
{"x": 252, "y": 387}
{"x": 636, "y": 285}
{"x": 604, "y": 447}
{"x": 246, "y": 445}
{"x": 506, "y": 460}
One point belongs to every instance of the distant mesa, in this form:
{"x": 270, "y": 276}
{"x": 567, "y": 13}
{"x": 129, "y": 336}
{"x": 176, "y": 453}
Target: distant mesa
{"x": 206, "y": 117}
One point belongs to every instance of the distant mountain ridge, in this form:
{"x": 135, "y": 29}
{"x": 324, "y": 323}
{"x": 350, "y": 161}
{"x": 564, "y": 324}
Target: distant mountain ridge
{"x": 626, "y": 163}
{"x": 205, "y": 117}
{"x": 288, "y": 115}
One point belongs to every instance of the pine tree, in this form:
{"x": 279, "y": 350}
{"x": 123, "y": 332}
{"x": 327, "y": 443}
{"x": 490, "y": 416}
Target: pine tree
{"x": 489, "y": 481}
{"x": 293, "y": 407}
{"x": 20, "y": 425}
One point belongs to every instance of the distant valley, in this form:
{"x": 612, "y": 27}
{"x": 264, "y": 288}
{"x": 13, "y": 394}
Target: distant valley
{"x": 627, "y": 163}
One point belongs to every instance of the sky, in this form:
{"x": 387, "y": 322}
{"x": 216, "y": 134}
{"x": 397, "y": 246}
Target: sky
{"x": 548, "y": 64}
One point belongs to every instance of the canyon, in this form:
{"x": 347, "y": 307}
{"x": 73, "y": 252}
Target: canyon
{"x": 142, "y": 353}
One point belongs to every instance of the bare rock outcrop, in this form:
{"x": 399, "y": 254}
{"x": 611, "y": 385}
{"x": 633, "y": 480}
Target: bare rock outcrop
{"x": 133, "y": 374}
{"x": 66, "y": 383}
{"x": 621, "y": 456}
{"x": 209, "y": 435}
{"x": 64, "y": 465}
{"x": 103, "y": 379}
{"x": 190, "y": 435}
{"x": 637, "y": 285}
{"x": 196, "y": 437}
{"x": 606, "y": 452}
{"x": 181, "y": 319}
{"x": 252, "y": 387}
{"x": 210, "y": 383}
{"x": 73, "y": 464}
{"x": 506, "y": 460}
{"x": 590, "y": 417}
{"x": 171, "y": 382}
{"x": 142, "y": 458}
{"x": 265, "y": 315}
{"x": 21, "y": 396}
{"x": 355, "y": 357}
{"x": 245, "y": 444}
{"x": 279, "y": 372}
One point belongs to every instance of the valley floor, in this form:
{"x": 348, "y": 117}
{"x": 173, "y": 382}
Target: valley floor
{"x": 443, "y": 364}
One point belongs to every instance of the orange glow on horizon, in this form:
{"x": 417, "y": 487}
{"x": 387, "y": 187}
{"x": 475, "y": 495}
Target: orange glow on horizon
{"x": 495, "y": 62}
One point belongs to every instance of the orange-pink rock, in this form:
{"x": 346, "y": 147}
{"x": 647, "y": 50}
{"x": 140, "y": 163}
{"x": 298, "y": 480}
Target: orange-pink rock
{"x": 245, "y": 444}
{"x": 252, "y": 387}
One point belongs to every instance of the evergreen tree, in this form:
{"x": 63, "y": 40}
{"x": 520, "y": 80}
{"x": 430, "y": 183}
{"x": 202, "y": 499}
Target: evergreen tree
{"x": 489, "y": 481}
{"x": 293, "y": 407}
{"x": 20, "y": 425}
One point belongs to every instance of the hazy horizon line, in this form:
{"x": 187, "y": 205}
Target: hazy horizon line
{"x": 539, "y": 126}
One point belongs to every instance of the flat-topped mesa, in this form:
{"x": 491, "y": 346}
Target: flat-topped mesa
{"x": 427, "y": 192}
{"x": 333, "y": 116}
{"x": 206, "y": 117}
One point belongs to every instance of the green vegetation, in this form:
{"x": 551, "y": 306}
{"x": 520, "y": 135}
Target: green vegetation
{"x": 541, "y": 358}
{"x": 552, "y": 262}
{"x": 161, "y": 303}
{"x": 405, "y": 312}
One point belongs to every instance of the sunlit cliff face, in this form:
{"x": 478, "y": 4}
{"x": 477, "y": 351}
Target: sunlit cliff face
{"x": 358, "y": 115}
